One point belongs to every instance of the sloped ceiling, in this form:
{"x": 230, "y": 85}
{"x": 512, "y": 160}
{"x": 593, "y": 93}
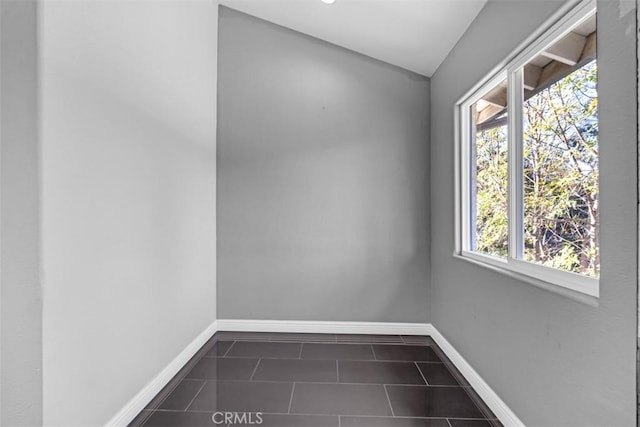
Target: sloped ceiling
{"x": 413, "y": 34}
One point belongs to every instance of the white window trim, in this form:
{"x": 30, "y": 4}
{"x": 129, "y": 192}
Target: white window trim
{"x": 550, "y": 32}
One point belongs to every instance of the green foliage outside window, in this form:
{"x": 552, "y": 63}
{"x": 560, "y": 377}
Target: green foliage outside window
{"x": 561, "y": 213}
{"x": 492, "y": 203}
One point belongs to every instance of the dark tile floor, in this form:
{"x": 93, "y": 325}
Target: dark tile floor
{"x": 300, "y": 380}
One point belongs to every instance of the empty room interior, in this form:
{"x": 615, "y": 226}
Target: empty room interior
{"x": 318, "y": 213}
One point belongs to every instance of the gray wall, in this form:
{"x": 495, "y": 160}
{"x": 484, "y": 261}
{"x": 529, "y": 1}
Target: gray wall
{"x": 21, "y": 291}
{"x": 322, "y": 180}
{"x": 554, "y": 360}
{"x": 128, "y": 133}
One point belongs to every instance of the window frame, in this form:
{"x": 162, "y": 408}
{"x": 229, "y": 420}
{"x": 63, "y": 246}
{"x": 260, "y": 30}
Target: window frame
{"x": 512, "y": 71}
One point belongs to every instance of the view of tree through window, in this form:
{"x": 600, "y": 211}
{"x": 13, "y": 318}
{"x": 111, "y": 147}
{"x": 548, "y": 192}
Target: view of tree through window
{"x": 491, "y": 193}
{"x": 528, "y": 160}
{"x": 560, "y": 163}
{"x": 561, "y": 174}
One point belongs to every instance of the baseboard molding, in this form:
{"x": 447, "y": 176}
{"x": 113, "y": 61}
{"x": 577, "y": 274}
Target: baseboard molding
{"x": 488, "y": 395}
{"x": 320, "y": 327}
{"x": 148, "y": 392}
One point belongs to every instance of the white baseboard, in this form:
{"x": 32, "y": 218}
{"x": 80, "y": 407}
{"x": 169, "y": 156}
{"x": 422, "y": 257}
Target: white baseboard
{"x": 490, "y": 397}
{"x": 320, "y": 327}
{"x": 140, "y": 401}
{"x": 148, "y": 392}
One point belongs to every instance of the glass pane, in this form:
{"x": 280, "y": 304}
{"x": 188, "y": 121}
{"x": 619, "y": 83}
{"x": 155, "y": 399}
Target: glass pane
{"x": 561, "y": 212}
{"x": 489, "y": 188}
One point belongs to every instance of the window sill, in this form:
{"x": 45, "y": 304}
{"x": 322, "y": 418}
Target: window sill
{"x": 582, "y": 297}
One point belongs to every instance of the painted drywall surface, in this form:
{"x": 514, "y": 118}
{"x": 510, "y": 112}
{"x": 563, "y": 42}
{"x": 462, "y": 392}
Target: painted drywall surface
{"x": 553, "y": 360}
{"x": 322, "y": 180}
{"x": 128, "y": 93}
{"x": 20, "y": 295}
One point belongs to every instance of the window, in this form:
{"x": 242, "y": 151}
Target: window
{"x": 527, "y": 160}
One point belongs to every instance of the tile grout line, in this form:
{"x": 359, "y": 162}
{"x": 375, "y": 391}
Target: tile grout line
{"x": 145, "y": 418}
{"x": 326, "y": 358}
{"x": 196, "y": 395}
{"x": 229, "y": 349}
{"x": 352, "y": 342}
{"x": 410, "y": 417}
{"x": 421, "y": 374}
{"x": 388, "y": 399}
{"x": 293, "y": 389}
{"x": 375, "y": 357}
{"x": 449, "y": 422}
{"x": 178, "y": 379}
{"x": 255, "y": 369}
{"x": 332, "y": 382}
{"x": 300, "y": 354}
{"x": 167, "y": 396}
{"x": 337, "y": 372}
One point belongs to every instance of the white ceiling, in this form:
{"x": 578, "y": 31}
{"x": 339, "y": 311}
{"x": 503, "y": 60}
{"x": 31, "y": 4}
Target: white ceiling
{"x": 413, "y": 34}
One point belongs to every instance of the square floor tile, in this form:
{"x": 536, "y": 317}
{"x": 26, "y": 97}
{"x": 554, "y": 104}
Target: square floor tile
{"x": 219, "y": 349}
{"x": 339, "y": 399}
{"x": 337, "y": 351}
{"x": 277, "y": 420}
{"x": 173, "y": 419}
{"x": 418, "y": 401}
{"x": 182, "y": 395}
{"x": 392, "y": 422}
{"x": 417, "y": 353}
{"x": 379, "y": 372}
{"x": 285, "y": 350}
{"x": 212, "y": 368}
{"x": 296, "y": 370}
{"x": 249, "y": 396}
{"x": 437, "y": 374}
